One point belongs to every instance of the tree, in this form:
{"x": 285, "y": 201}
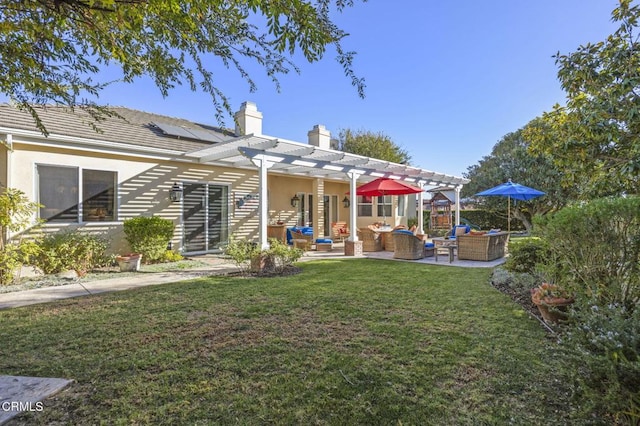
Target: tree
{"x": 510, "y": 159}
{"x": 595, "y": 137}
{"x": 53, "y": 50}
{"x": 370, "y": 144}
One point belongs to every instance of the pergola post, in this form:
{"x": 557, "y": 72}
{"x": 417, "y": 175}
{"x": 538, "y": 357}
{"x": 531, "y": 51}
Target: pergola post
{"x": 352, "y": 246}
{"x": 263, "y": 213}
{"x": 353, "y": 208}
{"x": 458, "y": 188}
{"x": 421, "y": 207}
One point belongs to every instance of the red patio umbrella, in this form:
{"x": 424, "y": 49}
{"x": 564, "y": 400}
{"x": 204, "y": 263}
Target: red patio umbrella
{"x": 385, "y": 186}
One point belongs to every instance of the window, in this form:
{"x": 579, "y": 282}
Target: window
{"x": 384, "y": 206}
{"x": 402, "y": 210}
{"x": 59, "y": 194}
{"x": 98, "y": 193}
{"x": 365, "y": 205}
{"x": 305, "y": 209}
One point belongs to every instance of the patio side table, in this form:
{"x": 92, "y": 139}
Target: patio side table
{"x": 442, "y": 246}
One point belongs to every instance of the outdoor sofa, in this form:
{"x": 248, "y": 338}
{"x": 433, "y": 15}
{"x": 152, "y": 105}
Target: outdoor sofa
{"x": 487, "y": 246}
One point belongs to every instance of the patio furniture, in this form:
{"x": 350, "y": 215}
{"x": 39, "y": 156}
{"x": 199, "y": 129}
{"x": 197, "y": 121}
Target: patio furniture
{"x": 429, "y": 249}
{"x": 371, "y": 240}
{"x": 278, "y": 232}
{"x": 339, "y": 231}
{"x": 387, "y": 238}
{"x": 407, "y": 246}
{"x": 489, "y": 246}
{"x": 301, "y": 243}
{"x": 296, "y": 231}
{"x": 324, "y": 244}
{"x": 448, "y": 247}
{"x": 458, "y": 230}
{"x": 299, "y": 235}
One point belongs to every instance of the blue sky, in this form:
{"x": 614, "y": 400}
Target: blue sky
{"x": 445, "y": 79}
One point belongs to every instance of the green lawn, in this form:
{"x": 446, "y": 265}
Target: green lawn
{"x": 344, "y": 342}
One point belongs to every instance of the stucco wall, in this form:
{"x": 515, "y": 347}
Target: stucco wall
{"x": 143, "y": 187}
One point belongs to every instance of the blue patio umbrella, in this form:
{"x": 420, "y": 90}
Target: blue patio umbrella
{"x": 511, "y": 190}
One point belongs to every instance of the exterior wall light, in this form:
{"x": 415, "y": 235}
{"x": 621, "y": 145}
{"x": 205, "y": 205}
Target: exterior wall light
{"x": 345, "y": 202}
{"x": 295, "y": 200}
{"x": 175, "y": 194}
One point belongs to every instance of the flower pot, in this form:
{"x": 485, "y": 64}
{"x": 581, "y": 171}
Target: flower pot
{"x": 554, "y": 313}
{"x": 552, "y": 301}
{"x": 129, "y": 262}
{"x": 552, "y": 309}
{"x": 262, "y": 263}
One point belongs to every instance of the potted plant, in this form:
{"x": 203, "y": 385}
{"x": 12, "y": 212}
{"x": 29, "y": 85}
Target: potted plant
{"x": 129, "y": 262}
{"x": 552, "y": 301}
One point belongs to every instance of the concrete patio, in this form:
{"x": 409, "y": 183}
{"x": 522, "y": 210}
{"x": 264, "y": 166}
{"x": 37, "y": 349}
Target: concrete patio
{"x": 338, "y": 253}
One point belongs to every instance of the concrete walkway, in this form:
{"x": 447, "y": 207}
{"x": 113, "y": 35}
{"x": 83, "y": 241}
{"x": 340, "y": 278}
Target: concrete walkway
{"x": 215, "y": 265}
{"x": 25, "y": 394}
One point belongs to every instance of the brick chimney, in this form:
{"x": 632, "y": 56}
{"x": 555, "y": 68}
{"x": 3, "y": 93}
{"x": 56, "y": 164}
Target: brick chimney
{"x": 319, "y": 136}
{"x": 248, "y": 119}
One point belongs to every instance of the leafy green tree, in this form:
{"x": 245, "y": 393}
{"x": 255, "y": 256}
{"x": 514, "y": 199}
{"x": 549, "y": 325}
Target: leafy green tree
{"x": 510, "y": 159}
{"x": 370, "y": 144}
{"x": 594, "y": 138}
{"x": 16, "y": 212}
{"x": 53, "y": 50}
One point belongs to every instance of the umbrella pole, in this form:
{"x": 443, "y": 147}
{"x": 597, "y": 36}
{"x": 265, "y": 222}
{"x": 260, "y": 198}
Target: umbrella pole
{"x": 509, "y": 214}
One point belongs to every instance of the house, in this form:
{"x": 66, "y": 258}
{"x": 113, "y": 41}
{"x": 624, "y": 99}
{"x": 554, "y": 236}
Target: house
{"x": 212, "y": 182}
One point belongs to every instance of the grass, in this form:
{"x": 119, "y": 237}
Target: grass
{"x": 344, "y": 342}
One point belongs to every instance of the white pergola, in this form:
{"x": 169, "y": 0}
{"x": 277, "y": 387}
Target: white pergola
{"x": 298, "y": 159}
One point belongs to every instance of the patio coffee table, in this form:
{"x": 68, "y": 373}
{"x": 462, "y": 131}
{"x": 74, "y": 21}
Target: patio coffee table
{"x": 444, "y": 245}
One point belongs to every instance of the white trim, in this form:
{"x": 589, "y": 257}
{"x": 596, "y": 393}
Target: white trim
{"x": 85, "y": 144}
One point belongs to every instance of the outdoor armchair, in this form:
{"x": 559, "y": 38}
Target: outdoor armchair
{"x": 296, "y": 231}
{"x": 371, "y": 240}
{"x": 407, "y": 245}
{"x": 389, "y": 243}
{"x": 339, "y": 231}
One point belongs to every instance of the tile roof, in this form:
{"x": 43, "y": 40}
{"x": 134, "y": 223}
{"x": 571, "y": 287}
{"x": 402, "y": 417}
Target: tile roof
{"x": 135, "y": 127}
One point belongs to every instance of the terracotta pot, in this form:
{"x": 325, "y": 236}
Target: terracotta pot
{"x": 552, "y": 309}
{"x": 262, "y": 263}
{"x": 129, "y": 262}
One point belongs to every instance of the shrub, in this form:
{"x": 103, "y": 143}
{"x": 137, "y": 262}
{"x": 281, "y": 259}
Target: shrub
{"x": 241, "y": 252}
{"x": 283, "y": 256}
{"x": 172, "y": 256}
{"x": 149, "y": 236}
{"x": 594, "y": 250}
{"x": 9, "y": 263}
{"x": 517, "y": 284}
{"x": 526, "y": 255}
{"x": 73, "y": 251}
{"x": 605, "y": 346}
{"x": 16, "y": 212}
{"x": 13, "y": 256}
{"x": 276, "y": 259}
